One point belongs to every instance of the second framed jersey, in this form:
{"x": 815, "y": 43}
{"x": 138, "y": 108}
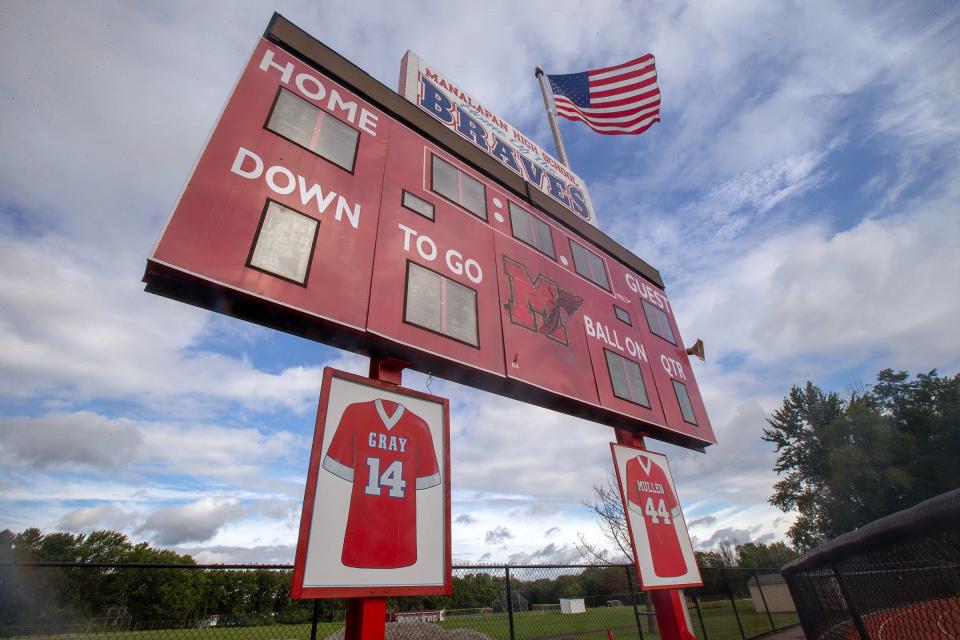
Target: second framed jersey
{"x": 376, "y": 512}
{"x": 658, "y": 532}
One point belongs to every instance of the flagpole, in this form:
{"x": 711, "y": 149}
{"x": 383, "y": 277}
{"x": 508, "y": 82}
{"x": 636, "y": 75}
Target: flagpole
{"x": 553, "y": 120}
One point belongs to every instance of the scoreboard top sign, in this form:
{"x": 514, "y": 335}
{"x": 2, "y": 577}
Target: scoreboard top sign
{"x": 423, "y": 85}
{"x": 327, "y": 206}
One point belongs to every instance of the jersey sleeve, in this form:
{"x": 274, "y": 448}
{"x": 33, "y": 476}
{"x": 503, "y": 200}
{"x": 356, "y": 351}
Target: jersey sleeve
{"x": 340, "y": 456}
{"x": 428, "y": 471}
{"x": 668, "y": 497}
{"x": 633, "y": 494}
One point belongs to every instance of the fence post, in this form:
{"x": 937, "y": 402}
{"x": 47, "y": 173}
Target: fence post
{"x": 633, "y": 599}
{"x": 316, "y": 618}
{"x": 648, "y": 603}
{"x": 509, "y": 602}
{"x": 857, "y": 622}
{"x": 703, "y": 627}
{"x": 733, "y": 603}
{"x": 766, "y": 607}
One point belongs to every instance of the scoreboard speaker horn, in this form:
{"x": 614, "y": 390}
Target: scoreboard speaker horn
{"x": 697, "y": 350}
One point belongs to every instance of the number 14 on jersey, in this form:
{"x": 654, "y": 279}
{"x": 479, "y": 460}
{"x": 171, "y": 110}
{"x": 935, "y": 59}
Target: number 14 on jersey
{"x": 392, "y": 477}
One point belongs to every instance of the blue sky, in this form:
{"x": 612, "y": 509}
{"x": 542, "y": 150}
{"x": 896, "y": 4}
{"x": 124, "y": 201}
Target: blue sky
{"x": 800, "y": 198}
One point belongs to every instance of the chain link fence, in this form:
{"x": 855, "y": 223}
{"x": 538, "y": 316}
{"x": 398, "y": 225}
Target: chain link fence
{"x": 897, "y": 577}
{"x": 251, "y": 602}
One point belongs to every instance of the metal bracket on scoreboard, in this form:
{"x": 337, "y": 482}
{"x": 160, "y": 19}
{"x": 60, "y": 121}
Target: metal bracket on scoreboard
{"x": 387, "y": 369}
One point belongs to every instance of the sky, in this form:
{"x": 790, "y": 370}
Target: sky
{"x": 801, "y": 198}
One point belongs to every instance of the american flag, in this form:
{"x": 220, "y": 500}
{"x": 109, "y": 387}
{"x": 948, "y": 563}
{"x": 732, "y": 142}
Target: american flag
{"x": 623, "y": 99}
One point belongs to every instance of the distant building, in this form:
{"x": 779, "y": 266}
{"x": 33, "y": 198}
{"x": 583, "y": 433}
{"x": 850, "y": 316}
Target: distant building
{"x": 775, "y": 592}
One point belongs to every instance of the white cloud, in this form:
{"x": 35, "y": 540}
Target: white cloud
{"x": 69, "y": 440}
{"x": 210, "y": 450}
{"x": 727, "y": 536}
{"x": 498, "y": 535}
{"x": 80, "y": 334}
{"x": 705, "y": 521}
{"x": 56, "y": 491}
{"x": 882, "y": 291}
{"x": 130, "y": 449}
{"x": 492, "y": 449}
{"x": 549, "y": 554}
{"x": 101, "y": 516}
{"x": 193, "y": 522}
{"x": 103, "y": 132}
{"x": 253, "y": 554}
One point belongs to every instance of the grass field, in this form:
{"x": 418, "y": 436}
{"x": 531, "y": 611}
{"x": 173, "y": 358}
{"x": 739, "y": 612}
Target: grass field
{"x": 719, "y": 621}
{"x": 718, "y": 618}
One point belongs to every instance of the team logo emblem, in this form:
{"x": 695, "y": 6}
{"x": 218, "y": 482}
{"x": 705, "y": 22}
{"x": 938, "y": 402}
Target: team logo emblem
{"x": 535, "y": 303}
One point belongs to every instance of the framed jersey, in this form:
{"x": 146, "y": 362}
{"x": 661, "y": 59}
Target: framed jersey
{"x": 376, "y": 509}
{"x": 658, "y": 532}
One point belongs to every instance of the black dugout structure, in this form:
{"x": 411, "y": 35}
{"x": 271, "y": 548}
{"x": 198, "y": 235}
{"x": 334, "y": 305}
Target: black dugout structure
{"x": 897, "y": 577}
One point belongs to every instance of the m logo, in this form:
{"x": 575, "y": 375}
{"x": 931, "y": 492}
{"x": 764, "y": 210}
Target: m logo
{"x": 536, "y": 303}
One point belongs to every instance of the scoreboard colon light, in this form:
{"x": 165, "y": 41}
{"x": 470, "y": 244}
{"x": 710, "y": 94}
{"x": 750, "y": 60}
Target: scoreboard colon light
{"x": 327, "y": 206}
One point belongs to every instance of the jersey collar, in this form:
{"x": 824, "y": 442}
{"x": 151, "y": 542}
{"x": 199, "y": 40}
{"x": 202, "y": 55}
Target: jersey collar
{"x": 389, "y": 421}
{"x": 645, "y": 462}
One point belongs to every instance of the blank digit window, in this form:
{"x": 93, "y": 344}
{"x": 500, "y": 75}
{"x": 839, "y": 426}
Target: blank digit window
{"x": 441, "y": 305}
{"x": 337, "y": 142}
{"x": 284, "y": 243}
{"x": 531, "y": 230}
{"x": 589, "y": 265}
{"x": 461, "y": 312}
{"x": 418, "y": 205}
{"x": 456, "y": 186}
{"x": 445, "y": 179}
{"x": 622, "y": 315}
{"x": 658, "y": 322}
{"x": 294, "y": 118}
{"x": 626, "y": 379}
{"x": 309, "y": 126}
{"x": 473, "y": 195}
{"x": 686, "y": 409}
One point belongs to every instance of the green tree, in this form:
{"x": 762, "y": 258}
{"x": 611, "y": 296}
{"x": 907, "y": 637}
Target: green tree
{"x": 475, "y": 590}
{"x": 605, "y": 581}
{"x": 848, "y": 462}
{"x": 796, "y": 430}
{"x": 723, "y": 558}
{"x": 60, "y": 596}
{"x": 757, "y": 555}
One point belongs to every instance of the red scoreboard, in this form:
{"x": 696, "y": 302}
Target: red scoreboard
{"x": 327, "y": 206}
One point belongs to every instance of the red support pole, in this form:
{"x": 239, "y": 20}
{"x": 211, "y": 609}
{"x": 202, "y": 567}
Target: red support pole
{"x": 671, "y": 620}
{"x": 366, "y": 618}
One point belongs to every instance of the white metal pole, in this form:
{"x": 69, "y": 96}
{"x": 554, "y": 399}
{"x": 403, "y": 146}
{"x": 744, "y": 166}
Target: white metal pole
{"x": 553, "y": 120}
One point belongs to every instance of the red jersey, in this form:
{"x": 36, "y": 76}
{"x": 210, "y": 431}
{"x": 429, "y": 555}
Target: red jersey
{"x": 386, "y": 451}
{"x": 649, "y": 494}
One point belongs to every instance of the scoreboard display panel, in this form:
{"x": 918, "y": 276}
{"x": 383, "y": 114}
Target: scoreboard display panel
{"x": 434, "y": 283}
{"x": 323, "y": 206}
